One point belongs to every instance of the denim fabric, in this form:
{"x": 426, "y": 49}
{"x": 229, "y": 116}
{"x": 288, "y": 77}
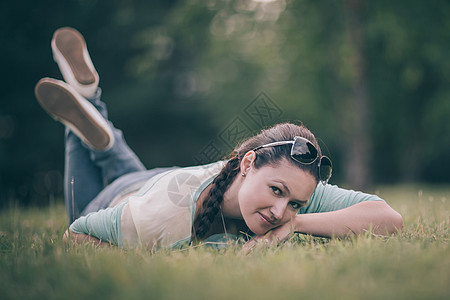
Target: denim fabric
{"x": 88, "y": 172}
{"x": 121, "y": 187}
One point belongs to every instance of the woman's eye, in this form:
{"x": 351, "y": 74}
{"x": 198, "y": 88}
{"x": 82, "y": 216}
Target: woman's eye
{"x": 295, "y": 205}
{"x": 276, "y": 190}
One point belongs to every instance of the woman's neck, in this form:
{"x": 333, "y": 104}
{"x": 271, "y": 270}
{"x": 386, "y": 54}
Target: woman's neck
{"x": 230, "y": 206}
{"x": 201, "y": 198}
{"x": 229, "y": 219}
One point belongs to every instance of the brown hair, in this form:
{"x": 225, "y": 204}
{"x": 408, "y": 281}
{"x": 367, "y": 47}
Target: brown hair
{"x": 264, "y": 156}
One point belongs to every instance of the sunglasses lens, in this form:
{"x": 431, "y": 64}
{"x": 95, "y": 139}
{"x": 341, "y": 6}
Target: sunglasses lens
{"x": 325, "y": 169}
{"x": 303, "y": 151}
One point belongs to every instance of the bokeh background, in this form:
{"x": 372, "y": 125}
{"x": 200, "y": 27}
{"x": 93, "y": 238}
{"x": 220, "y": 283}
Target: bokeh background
{"x": 186, "y": 79}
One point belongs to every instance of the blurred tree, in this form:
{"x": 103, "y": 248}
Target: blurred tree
{"x": 371, "y": 79}
{"x": 408, "y": 74}
{"x": 358, "y": 141}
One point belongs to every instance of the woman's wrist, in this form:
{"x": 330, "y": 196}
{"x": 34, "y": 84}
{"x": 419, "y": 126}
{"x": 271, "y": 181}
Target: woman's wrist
{"x": 297, "y": 223}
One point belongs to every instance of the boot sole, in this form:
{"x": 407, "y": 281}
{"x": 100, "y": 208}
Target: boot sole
{"x": 75, "y": 112}
{"x": 71, "y": 54}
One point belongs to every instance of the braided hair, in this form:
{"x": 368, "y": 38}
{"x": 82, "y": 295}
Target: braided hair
{"x": 211, "y": 205}
{"x": 270, "y": 155}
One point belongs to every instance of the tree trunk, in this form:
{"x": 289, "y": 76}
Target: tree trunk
{"x": 358, "y": 149}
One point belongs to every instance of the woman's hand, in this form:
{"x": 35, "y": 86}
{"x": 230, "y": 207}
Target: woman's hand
{"x": 272, "y": 237}
{"x": 79, "y": 238}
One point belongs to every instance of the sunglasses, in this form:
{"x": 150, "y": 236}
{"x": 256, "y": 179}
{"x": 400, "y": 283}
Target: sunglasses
{"x": 304, "y": 152}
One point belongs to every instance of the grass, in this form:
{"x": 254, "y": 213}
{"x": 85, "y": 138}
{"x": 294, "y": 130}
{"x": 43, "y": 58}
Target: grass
{"x": 34, "y": 263}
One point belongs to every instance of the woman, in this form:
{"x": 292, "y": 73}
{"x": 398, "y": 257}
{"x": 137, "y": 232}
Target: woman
{"x": 274, "y": 183}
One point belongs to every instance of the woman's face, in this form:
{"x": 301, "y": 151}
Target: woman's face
{"x": 271, "y": 195}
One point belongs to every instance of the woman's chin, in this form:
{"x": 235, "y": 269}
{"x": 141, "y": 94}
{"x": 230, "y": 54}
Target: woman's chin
{"x": 258, "y": 230}
{"x": 256, "y": 225}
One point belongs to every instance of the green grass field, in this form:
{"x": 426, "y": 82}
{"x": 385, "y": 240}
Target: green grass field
{"x": 34, "y": 263}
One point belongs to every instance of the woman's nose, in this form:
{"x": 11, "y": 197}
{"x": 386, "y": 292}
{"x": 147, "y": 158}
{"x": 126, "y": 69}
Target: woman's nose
{"x": 278, "y": 209}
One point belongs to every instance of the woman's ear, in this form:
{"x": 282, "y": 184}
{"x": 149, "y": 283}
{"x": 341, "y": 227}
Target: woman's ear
{"x": 247, "y": 162}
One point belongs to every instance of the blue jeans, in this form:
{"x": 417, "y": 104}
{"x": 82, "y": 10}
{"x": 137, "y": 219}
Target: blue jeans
{"x": 93, "y": 178}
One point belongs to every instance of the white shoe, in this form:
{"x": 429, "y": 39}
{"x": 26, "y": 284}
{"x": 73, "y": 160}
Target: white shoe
{"x": 71, "y": 54}
{"x": 64, "y": 104}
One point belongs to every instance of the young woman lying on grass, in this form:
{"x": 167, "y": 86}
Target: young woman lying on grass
{"x": 274, "y": 184}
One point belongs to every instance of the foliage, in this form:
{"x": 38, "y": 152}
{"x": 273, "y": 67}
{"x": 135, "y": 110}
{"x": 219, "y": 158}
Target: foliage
{"x": 178, "y": 72}
{"x": 34, "y": 264}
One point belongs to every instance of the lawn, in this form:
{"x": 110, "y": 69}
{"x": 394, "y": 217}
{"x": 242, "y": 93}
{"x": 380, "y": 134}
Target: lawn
{"x": 34, "y": 263}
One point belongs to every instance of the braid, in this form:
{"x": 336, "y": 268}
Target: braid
{"x": 211, "y": 205}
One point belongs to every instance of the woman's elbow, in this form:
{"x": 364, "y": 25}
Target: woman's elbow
{"x": 393, "y": 220}
{"x": 70, "y": 236}
{"x": 66, "y": 236}
{"x": 397, "y": 221}
{"x": 386, "y": 220}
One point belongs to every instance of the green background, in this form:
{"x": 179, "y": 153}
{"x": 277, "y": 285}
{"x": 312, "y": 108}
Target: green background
{"x": 369, "y": 78}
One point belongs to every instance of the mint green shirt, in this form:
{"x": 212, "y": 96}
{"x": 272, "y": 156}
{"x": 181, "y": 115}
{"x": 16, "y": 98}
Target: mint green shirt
{"x": 330, "y": 198}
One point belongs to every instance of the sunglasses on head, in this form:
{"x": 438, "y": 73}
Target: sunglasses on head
{"x": 304, "y": 152}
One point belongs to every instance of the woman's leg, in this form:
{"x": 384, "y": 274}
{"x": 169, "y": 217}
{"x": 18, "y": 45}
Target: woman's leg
{"x": 117, "y": 160}
{"x": 95, "y": 151}
{"x": 88, "y": 171}
{"x": 121, "y": 188}
{"x": 82, "y": 179}
{"x": 71, "y": 54}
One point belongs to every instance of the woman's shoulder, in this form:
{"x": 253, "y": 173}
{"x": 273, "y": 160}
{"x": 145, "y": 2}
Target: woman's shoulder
{"x": 174, "y": 177}
{"x": 331, "y": 197}
{"x": 162, "y": 211}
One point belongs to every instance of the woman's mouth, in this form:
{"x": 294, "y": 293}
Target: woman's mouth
{"x": 266, "y": 220}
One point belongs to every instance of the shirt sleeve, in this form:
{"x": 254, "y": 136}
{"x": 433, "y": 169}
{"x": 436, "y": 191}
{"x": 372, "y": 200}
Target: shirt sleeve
{"x": 330, "y": 198}
{"x": 103, "y": 224}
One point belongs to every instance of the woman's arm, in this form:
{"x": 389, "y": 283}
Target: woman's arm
{"x": 355, "y": 219}
{"x": 100, "y": 226}
{"x": 79, "y": 238}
